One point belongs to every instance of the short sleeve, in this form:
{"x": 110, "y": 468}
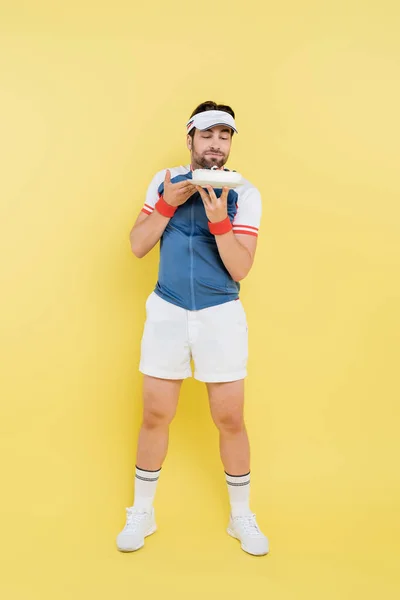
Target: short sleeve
{"x": 152, "y": 194}
{"x": 248, "y": 217}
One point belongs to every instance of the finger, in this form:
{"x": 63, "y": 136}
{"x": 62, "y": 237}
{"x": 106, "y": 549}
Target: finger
{"x": 207, "y": 204}
{"x": 211, "y": 192}
{"x": 183, "y": 185}
{"x": 187, "y": 194}
{"x": 190, "y": 190}
{"x": 204, "y": 196}
{"x": 202, "y": 192}
{"x": 224, "y": 195}
{"x": 167, "y": 178}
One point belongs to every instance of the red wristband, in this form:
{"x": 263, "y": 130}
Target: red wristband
{"x": 165, "y": 209}
{"x": 221, "y": 227}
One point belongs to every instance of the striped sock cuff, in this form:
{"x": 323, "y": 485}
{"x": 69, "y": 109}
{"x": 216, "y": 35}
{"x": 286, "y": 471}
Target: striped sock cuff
{"x": 145, "y": 475}
{"x": 237, "y": 480}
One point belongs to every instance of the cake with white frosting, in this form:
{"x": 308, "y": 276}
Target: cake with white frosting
{"x": 216, "y": 177}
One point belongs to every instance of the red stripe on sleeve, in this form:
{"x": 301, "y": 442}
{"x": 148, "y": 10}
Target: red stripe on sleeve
{"x": 245, "y": 226}
{"x": 244, "y": 232}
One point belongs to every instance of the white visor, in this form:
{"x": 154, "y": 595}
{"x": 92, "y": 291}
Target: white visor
{"x": 211, "y": 118}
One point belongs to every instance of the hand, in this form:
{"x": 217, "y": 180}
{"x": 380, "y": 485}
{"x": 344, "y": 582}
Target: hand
{"x": 176, "y": 194}
{"x": 216, "y": 208}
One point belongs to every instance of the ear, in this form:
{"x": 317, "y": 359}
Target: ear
{"x": 189, "y": 142}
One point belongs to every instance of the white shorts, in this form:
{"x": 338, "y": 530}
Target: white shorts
{"x": 216, "y": 338}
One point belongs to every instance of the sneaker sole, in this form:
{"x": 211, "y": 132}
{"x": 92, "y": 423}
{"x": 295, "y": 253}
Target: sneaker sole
{"x": 150, "y": 532}
{"x": 243, "y": 547}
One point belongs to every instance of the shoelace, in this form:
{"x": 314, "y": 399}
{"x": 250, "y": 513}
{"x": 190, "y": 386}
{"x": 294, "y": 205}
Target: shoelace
{"x": 134, "y": 518}
{"x": 248, "y": 524}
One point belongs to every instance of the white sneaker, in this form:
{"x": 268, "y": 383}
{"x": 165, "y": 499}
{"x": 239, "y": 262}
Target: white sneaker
{"x": 138, "y": 526}
{"x": 246, "y": 530}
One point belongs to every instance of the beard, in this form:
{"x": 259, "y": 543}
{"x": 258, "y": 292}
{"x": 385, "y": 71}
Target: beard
{"x": 204, "y": 161}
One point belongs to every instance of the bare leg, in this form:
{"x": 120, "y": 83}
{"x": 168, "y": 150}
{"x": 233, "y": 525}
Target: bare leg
{"x": 226, "y": 405}
{"x": 160, "y": 401}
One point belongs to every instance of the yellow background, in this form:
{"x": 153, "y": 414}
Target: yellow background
{"x": 94, "y": 97}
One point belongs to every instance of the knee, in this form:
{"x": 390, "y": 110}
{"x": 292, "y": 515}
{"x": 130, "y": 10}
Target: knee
{"x": 153, "y": 418}
{"x": 229, "y": 422}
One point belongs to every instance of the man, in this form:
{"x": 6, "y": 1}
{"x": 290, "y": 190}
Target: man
{"x": 208, "y": 240}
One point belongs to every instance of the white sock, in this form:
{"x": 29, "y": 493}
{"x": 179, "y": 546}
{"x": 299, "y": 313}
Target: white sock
{"x": 239, "y": 494}
{"x": 145, "y": 489}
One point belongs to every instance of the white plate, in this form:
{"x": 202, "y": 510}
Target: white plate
{"x": 217, "y": 184}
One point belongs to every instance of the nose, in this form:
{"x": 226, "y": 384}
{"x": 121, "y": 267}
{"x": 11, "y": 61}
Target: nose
{"x": 215, "y": 147}
{"x": 215, "y": 144}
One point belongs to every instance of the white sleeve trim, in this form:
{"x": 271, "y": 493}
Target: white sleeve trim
{"x": 152, "y": 192}
{"x": 249, "y": 209}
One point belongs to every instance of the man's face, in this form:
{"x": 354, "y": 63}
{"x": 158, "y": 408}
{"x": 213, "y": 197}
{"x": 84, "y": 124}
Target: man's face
{"x": 210, "y": 148}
